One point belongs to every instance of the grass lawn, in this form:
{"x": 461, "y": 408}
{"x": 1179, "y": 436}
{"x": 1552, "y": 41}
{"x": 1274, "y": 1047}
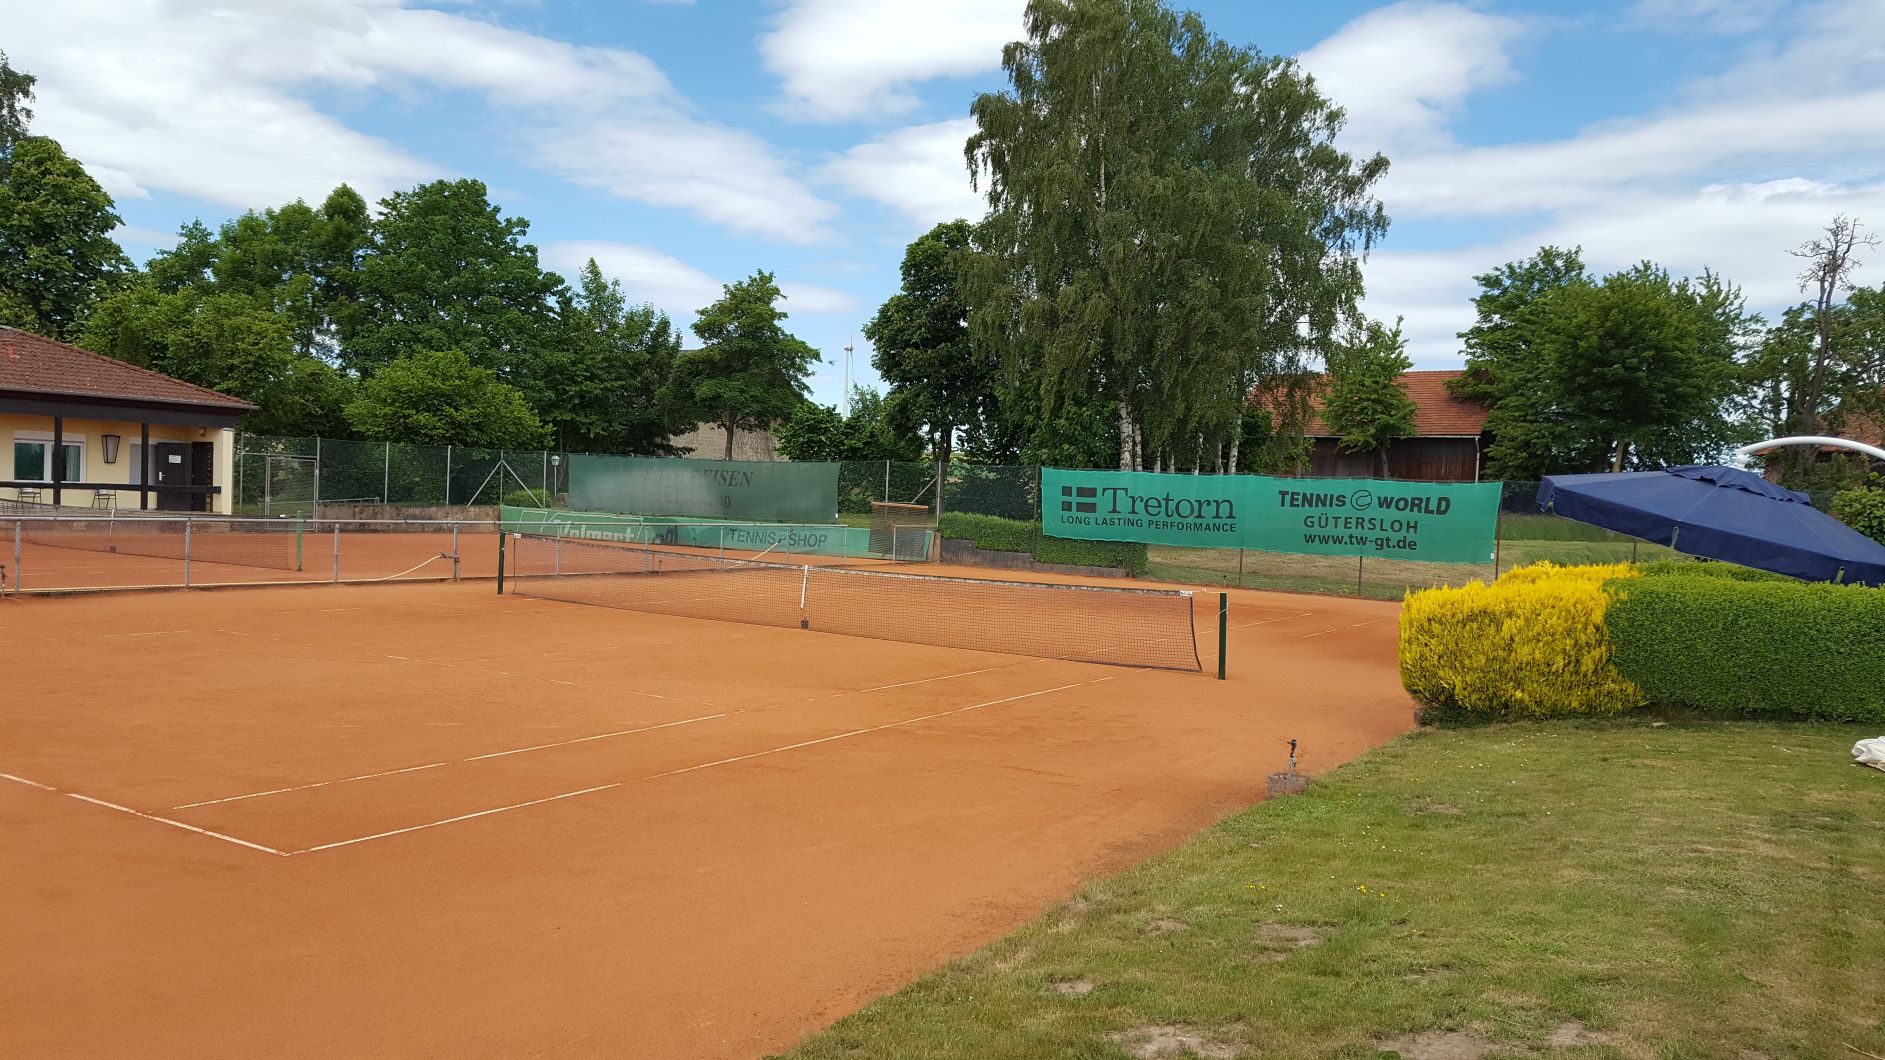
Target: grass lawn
{"x": 1576, "y": 889}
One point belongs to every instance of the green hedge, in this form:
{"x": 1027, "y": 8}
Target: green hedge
{"x": 996, "y": 534}
{"x": 1777, "y": 648}
{"x": 1664, "y": 568}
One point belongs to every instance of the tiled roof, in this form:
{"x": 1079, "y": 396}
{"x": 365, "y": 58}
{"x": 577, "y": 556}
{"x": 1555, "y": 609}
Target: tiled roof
{"x": 1437, "y": 412}
{"x": 34, "y": 364}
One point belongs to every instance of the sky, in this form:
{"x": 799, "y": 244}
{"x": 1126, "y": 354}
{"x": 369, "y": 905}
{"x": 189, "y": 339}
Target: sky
{"x": 685, "y": 144}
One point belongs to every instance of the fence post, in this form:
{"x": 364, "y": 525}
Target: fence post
{"x": 448, "y": 476}
{"x": 500, "y": 560}
{"x": 886, "y": 497}
{"x": 1358, "y": 562}
{"x": 267, "y": 493}
{"x": 336, "y": 552}
{"x": 317, "y": 476}
{"x": 186, "y": 551}
{"x": 1223, "y": 630}
{"x": 548, "y": 501}
{"x": 386, "y": 477}
{"x": 1498, "y": 533}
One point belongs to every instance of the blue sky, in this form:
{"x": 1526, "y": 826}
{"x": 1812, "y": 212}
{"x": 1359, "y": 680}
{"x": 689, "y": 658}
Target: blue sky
{"x": 685, "y": 144}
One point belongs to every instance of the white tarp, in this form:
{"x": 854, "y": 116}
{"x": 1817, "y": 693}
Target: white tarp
{"x": 1870, "y": 752}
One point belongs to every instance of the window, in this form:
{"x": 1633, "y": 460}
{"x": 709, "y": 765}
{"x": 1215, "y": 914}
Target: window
{"x": 29, "y": 461}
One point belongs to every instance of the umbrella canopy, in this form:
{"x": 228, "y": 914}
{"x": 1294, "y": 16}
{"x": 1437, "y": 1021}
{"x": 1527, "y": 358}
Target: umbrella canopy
{"x": 1721, "y": 513}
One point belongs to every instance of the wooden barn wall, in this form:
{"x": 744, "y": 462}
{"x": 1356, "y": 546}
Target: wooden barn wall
{"x": 1412, "y": 459}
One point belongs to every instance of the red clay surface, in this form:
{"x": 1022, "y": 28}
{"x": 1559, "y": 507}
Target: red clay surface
{"x": 438, "y": 822}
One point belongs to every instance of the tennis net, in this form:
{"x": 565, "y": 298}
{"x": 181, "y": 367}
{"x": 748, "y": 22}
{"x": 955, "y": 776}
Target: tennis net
{"x": 274, "y": 545}
{"x": 1127, "y": 627}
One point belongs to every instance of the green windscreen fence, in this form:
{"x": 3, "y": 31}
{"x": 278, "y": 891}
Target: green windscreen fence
{"x": 781, "y": 492}
{"x": 1431, "y": 521}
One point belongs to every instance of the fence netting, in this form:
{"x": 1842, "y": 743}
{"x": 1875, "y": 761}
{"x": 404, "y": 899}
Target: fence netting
{"x": 994, "y": 507}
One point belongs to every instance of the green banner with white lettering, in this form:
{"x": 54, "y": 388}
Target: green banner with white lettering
{"x": 783, "y": 491}
{"x": 1437, "y": 522}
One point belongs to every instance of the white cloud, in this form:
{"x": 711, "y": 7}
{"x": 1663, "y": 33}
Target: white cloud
{"x": 647, "y": 275}
{"x": 843, "y": 59}
{"x": 204, "y": 98}
{"x": 919, "y": 170}
{"x": 1716, "y": 16}
{"x": 812, "y": 299}
{"x": 1402, "y": 70}
{"x": 673, "y": 286}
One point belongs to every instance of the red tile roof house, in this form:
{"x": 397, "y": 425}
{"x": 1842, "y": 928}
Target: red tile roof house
{"x": 1448, "y": 445}
{"x": 83, "y": 430}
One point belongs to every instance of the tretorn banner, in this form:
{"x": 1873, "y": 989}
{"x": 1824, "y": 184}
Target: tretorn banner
{"x": 1438, "y": 522}
{"x": 767, "y": 491}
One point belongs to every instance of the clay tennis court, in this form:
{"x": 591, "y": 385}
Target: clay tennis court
{"x": 425, "y": 819}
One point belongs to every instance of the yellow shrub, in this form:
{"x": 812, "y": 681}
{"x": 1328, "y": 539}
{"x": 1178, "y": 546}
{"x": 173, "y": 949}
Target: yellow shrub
{"x": 1531, "y": 644}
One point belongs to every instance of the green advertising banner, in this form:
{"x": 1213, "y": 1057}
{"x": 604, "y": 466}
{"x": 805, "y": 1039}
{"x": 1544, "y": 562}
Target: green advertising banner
{"x": 780, "y": 492}
{"x": 820, "y": 539}
{"x": 1438, "y": 522}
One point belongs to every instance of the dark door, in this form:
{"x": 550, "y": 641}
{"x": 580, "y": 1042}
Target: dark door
{"x": 173, "y": 469}
{"x": 202, "y": 472}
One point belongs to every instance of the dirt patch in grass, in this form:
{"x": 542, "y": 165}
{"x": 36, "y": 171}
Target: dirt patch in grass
{"x": 1075, "y": 987}
{"x": 1155, "y": 1043}
{"x": 1166, "y": 925}
{"x": 1572, "y": 1033}
{"x": 1438, "y": 1045}
{"x": 1278, "y": 941}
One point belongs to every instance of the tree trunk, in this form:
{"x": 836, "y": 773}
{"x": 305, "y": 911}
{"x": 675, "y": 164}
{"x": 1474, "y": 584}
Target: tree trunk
{"x": 1616, "y": 460}
{"x": 728, "y": 424}
{"x": 944, "y": 448}
{"x": 1125, "y": 439}
{"x": 1383, "y": 450}
{"x": 1235, "y": 440}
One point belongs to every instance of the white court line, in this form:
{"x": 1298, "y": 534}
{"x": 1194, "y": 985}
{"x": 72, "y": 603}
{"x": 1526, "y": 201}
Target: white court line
{"x": 28, "y": 783}
{"x": 1267, "y": 621}
{"x": 454, "y": 820}
{"x": 177, "y": 824}
{"x": 603, "y": 736}
{"x": 905, "y": 684}
{"x": 304, "y": 787}
{"x": 150, "y": 633}
{"x": 1338, "y": 629}
{"x": 873, "y": 728}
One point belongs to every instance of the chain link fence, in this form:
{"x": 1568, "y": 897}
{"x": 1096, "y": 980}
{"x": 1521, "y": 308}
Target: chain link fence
{"x": 996, "y": 506}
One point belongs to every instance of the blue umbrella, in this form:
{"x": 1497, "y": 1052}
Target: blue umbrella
{"x": 1720, "y": 513}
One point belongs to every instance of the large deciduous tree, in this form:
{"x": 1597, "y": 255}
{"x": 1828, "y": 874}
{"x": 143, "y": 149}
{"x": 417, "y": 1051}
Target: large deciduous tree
{"x": 1634, "y": 371}
{"x": 1170, "y": 222}
{"x": 750, "y": 372}
{"x": 939, "y": 380}
{"x": 1365, "y": 404}
{"x": 16, "y": 110}
{"x": 447, "y": 271}
{"x": 57, "y": 257}
{"x": 602, "y": 387}
{"x": 438, "y": 397}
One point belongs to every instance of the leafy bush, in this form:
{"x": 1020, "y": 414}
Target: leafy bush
{"x": 1863, "y": 509}
{"x": 989, "y": 532}
{"x": 529, "y": 499}
{"x": 1786, "y": 648}
{"x": 1667, "y": 568}
{"x": 1531, "y": 644}
{"x": 1127, "y": 554}
{"x": 996, "y": 534}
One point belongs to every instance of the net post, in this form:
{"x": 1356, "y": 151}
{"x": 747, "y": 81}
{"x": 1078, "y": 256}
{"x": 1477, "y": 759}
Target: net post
{"x": 454, "y": 551}
{"x": 558, "y": 547}
{"x": 501, "y": 535}
{"x": 298, "y": 530}
{"x": 805, "y": 582}
{"x": 1223, "y": 630}
{"x": 337, "y": 553}
{"x": 17, "y": 535}
{"x": 187, "y": 524}
{"x": 723, "y": 550}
